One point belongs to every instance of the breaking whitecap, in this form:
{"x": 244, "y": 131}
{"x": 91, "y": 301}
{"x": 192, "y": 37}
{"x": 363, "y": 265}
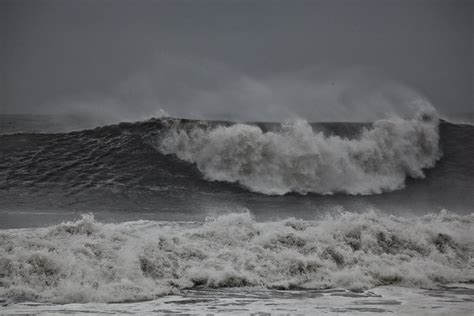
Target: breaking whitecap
{"x": 298, "y": 159}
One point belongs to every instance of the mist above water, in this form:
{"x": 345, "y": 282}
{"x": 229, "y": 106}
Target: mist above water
{"x": 203, "y": 89}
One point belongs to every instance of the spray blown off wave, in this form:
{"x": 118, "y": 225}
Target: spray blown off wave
{"x": 87, "y": 261}
{"x": 298, "y": 159}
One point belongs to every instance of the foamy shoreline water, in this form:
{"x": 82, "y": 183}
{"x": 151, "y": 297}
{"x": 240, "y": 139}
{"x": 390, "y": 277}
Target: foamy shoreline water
{"x": 87, "y": 261}
{"x": 455, "y": 299}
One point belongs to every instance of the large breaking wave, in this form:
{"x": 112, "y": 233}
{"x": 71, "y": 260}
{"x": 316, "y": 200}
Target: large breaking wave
{"x": 85, "y": 261}
{"x": 298, "y": 159}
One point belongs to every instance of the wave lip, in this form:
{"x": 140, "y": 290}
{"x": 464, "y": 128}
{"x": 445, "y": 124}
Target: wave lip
{"x": 298, "y": 159}
{"x": 87, "y": 261}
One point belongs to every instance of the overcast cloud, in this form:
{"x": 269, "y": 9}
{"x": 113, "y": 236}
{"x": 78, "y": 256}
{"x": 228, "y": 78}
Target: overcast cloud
{"x": 249, "y": 60}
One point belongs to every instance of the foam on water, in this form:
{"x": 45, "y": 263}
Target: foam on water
{"x": 298, "y": 159}
{"x": 456, "y": 299}
{"x": 88, "y": 261}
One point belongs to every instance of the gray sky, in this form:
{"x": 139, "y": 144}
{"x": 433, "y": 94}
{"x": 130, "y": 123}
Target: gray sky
{"x": 220, "y": 59}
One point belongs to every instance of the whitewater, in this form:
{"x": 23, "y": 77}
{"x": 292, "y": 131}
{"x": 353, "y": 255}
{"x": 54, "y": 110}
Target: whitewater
{"x": 88, "y": 261}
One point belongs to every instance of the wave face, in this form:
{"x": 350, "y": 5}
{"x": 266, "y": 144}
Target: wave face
{"x": 125, "y": 167}
{"x": 85, "y": 261}
{"x": 298, "y": 159}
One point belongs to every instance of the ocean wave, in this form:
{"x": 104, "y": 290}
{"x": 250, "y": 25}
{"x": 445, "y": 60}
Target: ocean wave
{"x": 298, "y": 159}
{"x": 88, "y": 261}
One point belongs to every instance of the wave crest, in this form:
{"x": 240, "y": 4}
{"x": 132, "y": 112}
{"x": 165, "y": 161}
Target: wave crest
{"x": 298, "y": 159}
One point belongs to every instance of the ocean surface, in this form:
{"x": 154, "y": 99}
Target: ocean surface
{"x": 178, "y": 216}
